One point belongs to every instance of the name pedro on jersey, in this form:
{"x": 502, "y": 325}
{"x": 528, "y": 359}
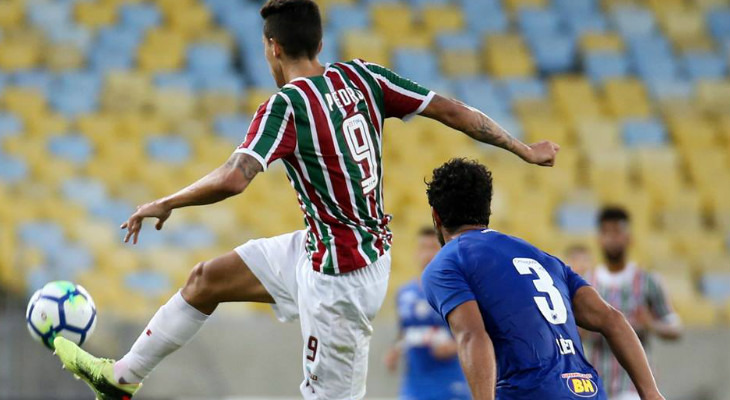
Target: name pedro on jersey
{"x": 343, "y": 98}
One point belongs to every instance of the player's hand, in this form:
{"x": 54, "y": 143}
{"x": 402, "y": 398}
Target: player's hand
{"x": 391, "y": 359}
{"x": 542, "y": 153}
{"x": 155, "y": 209}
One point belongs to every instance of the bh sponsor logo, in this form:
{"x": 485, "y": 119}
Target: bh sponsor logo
{"x": 581, "y": 385}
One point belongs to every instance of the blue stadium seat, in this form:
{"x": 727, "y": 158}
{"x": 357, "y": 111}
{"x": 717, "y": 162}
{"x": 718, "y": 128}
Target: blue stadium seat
{"x": 114, "y": 48}
{"x": 509, "y": 123}
{"x": 418, "y": 65}
{"x": 330, "y": 47}
{"x": 140, "y": 16}
{"x": 554, "y": 52}
{"x": 633, "y": 21}
{"x": 664, "y": 89}
{"x": 74, "y": 148}
{"x": 192, "y": 236}
{"x": 342, "y": 17}
{"x": 70, "y": 260}
{"x": 105, "y": 59}
{"x": 519, "y": 89}
{"x": 718, "y": 21}
{"x": 458, "y": 41}
{"x": 587, "y": 23}
{"x": 45, "y": 235}
{"x": 652, "y": 57}
{"x": 38, "y": 79}
{"x": 243, "y": 19}
{"x": 483, "y": 95}
{"x": 84, "y": 191}
{"x": 3, "y": 78}
{"x": 10, "y": 125}
{"x": 12, "y": 169}
{"x": 76, "y": 92}
{"x": 119, "y": 38}
{"x": 232, "y": 127}
{"x": 153, "y": 239}
{"x": 113, "y": 211}
{"x": 208, "y": 59}
{"x": 716, "y": 286}
{"x": 43, "y": 15}
{"x": 421, "y": 3}
{"x": 577, "y": 8}
{"x": 577, "y": 218}
{"x": 534, "y": 22}
{"x": 485, "y": 16}
{"x": 704, "y": 66}
{"x": 176, "y": 80}
{"x": 223, "y": 83}
{"x": 605, "y": 65}
{"x": 169, "y": 149}
{"x": 76, "y": 35}
{"x": 149, "y": 283}
{"x": 644, "y": 133}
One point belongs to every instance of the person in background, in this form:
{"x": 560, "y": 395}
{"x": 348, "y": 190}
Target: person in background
{"x": 638, "y": 294}
{"x": 579, "y": 258}
{"x": 432, "y": 370}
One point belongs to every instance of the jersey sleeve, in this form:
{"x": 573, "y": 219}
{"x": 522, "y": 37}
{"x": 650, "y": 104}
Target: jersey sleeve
{"x": 272, "y": 133}
{"x": 574, "y": 281}
{"x": 657, "y": 299}
{"x": 402, "y": 98}
{"x": 446, "y": 286}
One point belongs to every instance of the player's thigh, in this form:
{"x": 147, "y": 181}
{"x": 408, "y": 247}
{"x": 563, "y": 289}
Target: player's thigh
{"x": 226, "y": 278}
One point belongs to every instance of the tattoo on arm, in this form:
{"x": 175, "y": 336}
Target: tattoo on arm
{"x": 488, "y": 131}
{"x": 246, "y": 164}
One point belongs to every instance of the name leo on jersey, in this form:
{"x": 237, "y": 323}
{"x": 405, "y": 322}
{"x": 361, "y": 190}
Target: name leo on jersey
{"x": 343, "y": 98}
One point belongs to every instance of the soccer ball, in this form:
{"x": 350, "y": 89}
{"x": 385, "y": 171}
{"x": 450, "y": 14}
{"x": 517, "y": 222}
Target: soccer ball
{"x": 61, "y": 308}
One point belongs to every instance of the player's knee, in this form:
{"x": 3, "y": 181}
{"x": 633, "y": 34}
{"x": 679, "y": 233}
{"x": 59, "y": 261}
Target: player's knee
{"x": 199, "y": 287}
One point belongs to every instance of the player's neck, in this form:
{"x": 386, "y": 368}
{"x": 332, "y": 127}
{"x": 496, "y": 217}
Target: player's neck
{"x": 616, "y": 266}
{"x": 449, "y": 236}
{"x": 301, "y": 68}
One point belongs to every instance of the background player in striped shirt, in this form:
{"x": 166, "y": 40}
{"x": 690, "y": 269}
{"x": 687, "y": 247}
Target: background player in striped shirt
{"x": 635, "y": 292}
{"x": 431, "y": 370}
{"x": 326, "y": 125}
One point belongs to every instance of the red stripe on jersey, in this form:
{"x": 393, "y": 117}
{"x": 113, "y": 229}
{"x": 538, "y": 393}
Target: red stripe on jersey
{"x": 397, "y": 103}
{"x": 288, "y": 141}
{"x": 359, "y": 81}
{"x": 348, "y": 240}
{"x": 253, "y": 129}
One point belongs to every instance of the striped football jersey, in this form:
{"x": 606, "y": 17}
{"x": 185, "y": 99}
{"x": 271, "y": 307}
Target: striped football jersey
{"x": 327, "y": 130}
{"x": 628, "y": 291}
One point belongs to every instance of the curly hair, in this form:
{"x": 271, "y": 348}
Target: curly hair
{"x": 461, "y": 193}
{"x": 295, "y": 24}
{"x": 613, "y": 214}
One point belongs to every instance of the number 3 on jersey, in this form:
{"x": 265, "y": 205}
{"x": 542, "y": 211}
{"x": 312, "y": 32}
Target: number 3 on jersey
{"x": 556, "y": 315}
{"x": 361, "y": 146}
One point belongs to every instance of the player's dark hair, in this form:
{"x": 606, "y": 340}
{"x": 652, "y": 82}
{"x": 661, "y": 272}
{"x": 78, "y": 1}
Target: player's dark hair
{"x": 295, "y": 24}
{"x": 461, "y": 193}
{"x": 426, "y": 231}
{"x": 613, "y": 214}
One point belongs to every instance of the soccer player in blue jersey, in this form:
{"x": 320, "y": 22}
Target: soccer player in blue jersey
{"x": 432, "y": 370}
{"x": 513, "y": 309}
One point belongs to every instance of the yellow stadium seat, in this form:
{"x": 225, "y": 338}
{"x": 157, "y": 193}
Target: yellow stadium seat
{"x": 24, "y": 101}
{"x": 63, "y": 57}
{"x": 442, "y": 18}
{"x": 96, "y": 14}
{"x": 658, "y": 171}
{"x": 678, "y": 22}
{"x": 714, "y": 96}
{"x": 663, "y": 264}
{"x": 515, "y": 5}
{"x": 666, "y": 6}
{"x": 368, "y": 45}
{"x": 212, "y": 104}
{"x": 97, "y": 127}
{"x": 704, "y": 165}
{"x": 719, "y": 262}
{"x": 694, "y": 245}
{"x": 542, "y": 128}
{"x": 531, "y": 108}
{"x": 255, "y": 98}
{"x": 597, "y": 135}
{"x": 11, "y": 13}
{"x": 417, "y": 39}
{"x": 47, "y": 124}
{"x": 190, "y": 20}
{"x": 682, "y": 211}
{"x": 697, "y": 312}
{"x": 689, "y": 44}
{"x": 52, "y": 171}
{"x": 97, "y": 235}
{"x": 609, "y": 166}
{"x": 627, "y": 98}
{"x": 216, "y": 36}
{"x": 125, "y": 92}
{"x": 708, "y": 4}
{"x": 575, "y": 98}
{"x": 172, "y": 103}
{"x": 456, "y": 63}
{"x": 17, "y": 55}
{"x": 507, "y": 56}
{"x": 392, "y": 19}
{"x": 138, "y": 125}
{"x": 693, "y": 132}
{"x": 595, "y": 42}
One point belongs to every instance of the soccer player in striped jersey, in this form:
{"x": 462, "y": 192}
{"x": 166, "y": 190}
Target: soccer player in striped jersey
{"x": 326, "y": 125}
{"x": 638, "y": 294}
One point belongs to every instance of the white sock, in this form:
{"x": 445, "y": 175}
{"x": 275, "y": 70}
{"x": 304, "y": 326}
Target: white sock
{"x": 171, "y": 327}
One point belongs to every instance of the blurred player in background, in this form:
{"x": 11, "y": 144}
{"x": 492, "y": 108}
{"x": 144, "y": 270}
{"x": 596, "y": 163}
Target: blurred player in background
{"x": 514, "y": 309}
{"x": 636, "y": 293}
{"x": 432, "y": 370}
{"x": 325, "y": 124}
{"x": 579, "y": 258}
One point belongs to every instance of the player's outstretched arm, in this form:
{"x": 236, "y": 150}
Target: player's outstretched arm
{"x": 479, "y": 126}
{"x": 225, "y": 181}
{"x": 475, "y": 349}
{"x": 593, "y": 313}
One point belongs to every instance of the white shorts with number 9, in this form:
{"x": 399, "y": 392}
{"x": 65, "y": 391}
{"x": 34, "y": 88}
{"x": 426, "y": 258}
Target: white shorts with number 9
{"x": 336, "y": 312}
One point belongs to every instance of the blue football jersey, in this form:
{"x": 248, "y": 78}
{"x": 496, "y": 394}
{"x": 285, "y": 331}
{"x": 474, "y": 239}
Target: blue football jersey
{"x": 525, "y": 297}
{"x": 426, "y": 377}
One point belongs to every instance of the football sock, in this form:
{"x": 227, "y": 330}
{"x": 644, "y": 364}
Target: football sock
{"x": 171, "y": 327}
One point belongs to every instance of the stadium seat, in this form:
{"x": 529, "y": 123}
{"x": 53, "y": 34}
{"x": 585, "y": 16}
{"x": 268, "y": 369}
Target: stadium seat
{"x": 460, "y": 63}
{"x": 140, "y": 16}
{"x": 575, "y": 97}
{"x": 95, "y": 14}
{"x": 392, "y": 19}
{"x": 594, "y": 41}
{"x": 597, "y": 135}
{"x": 12, "y": 14}
{"x": 74, "y": 148}
{"x": 485, "y": 16}
{"x": 418, "y": 65}
{"x": 507, "y": 56}
{"x": 342, "y": 17}
{"x": 704, "y": 66}
{"x": 553, "y": 53}
{"x": 626, "y": 98}
{"x": 717, "y": 21}
{"x": 642, "y": 133}
{"x": 169, "y": 149}
{"x": 10, "y": 125}
{"x": 442, "y": 18}
{"x": 366, "y": 45}
{"x": 601, "y": 66}
{"x": 714, "y": 95}
{"x": 633, "y": 21}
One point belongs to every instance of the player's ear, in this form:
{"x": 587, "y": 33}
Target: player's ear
{"x": 436, "y": 219}
{"x": 319, "y": 48}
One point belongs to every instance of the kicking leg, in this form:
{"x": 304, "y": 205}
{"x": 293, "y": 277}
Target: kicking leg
{"x": 223, "y": 279}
